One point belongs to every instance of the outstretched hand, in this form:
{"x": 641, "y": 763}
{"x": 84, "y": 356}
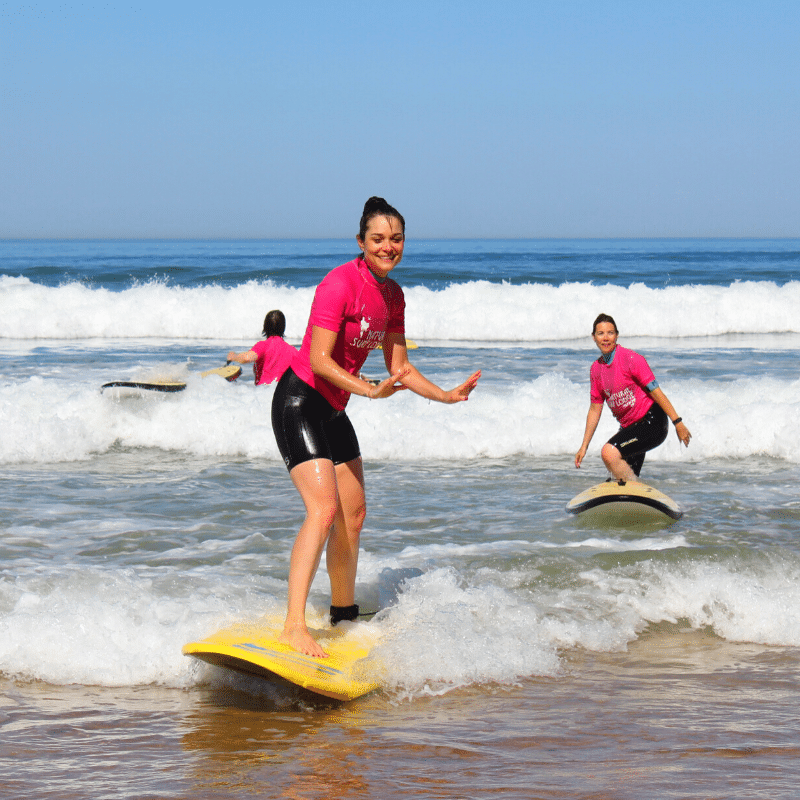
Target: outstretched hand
{"x": 462, "y": 392}
{"x": 387, "y": 387}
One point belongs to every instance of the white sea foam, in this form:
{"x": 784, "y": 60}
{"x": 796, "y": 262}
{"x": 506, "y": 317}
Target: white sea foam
{"x": 755, "y": 600}
{"x": 450, "y": 626}
{"x": 466, "y": 312}
{"x": 97, "y": 628}
{"x": 449, "y": 630}
{"x": 50, "y": 421}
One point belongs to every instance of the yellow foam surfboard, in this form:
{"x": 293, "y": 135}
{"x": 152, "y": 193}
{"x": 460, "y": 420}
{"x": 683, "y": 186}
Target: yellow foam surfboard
{"x": 410, "y": 345}
{"x": 621, "y": 501}
{"x": 253, "y": 649}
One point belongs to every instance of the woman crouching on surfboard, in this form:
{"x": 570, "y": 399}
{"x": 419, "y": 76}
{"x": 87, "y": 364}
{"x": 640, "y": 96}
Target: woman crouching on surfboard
{"x": 356, "y": 308}
{"x": 624, "y": 380}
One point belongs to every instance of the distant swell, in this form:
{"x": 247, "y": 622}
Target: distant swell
{"x": 476, "y": 311}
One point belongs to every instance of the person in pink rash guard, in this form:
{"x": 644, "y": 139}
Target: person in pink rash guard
{"x": 357, "y": 307}
{"x": 272, "y": 356}
{"x": 623, "y": 379}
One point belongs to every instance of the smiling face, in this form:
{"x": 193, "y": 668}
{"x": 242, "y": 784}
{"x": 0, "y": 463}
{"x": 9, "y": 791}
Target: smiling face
{"x": 382, "y": 245}
{"x": 605, "y": 336}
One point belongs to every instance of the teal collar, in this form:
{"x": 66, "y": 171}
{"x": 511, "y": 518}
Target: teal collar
{"x": 607, "y": 359}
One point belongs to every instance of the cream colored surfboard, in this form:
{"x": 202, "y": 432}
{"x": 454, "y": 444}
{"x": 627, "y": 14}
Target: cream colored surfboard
{"x": 230, "y": 372}
{"x": 636, "y": 502}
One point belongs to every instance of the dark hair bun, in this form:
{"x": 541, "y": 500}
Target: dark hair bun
{"x": 376, "y": 205}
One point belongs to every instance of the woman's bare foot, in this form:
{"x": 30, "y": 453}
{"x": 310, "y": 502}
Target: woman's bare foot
{"x": 298, "y": 638}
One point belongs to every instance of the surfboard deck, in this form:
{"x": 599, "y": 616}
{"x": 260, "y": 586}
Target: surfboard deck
{"x": 632, "y": 502}
{"x": 254, "y": 650}
{"x": 145, "y": 386}
{"x": 230, "y": 372}
{"x": 346, "y": 674}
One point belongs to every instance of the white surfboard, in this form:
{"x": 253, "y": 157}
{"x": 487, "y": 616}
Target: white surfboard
{"x": 618, "y": 501}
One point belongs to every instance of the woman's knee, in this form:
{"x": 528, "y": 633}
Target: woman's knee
{"x": 356, "y": 517}
{"x": 322, "y": 510}
{"x": 351, "y": 517}
{"x": 609, "y": 454}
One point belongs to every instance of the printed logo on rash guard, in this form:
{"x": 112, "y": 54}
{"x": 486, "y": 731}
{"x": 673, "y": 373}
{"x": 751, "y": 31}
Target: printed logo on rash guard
{"x": 621, "y": 399}
{"x": 367, "y": 339}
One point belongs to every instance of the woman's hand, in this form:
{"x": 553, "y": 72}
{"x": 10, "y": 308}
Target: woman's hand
{"x": 387, "y": 387}
{"x": 592, "y": 420}
{"x": 683, "y": 433}
{"x": 462, "y": 392}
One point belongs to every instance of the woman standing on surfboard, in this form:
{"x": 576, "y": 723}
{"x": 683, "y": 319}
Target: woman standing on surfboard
{"x": 356, "y": 308}
{"x": 624, "y": 380}
{"x": 272, "y": 356}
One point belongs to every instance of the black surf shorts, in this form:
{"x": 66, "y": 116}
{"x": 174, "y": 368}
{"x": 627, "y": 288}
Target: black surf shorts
{"x": 643, "y": 435}
{"x": 308, "y": 427}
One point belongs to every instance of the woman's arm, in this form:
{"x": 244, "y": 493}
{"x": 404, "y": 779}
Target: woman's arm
{"x": 592, "y": 420}
{"x": 322, "y": 343}
{"x": 247, "y": 357}
{"x": 680, "y": 429}
{"x": 395, "y": 354}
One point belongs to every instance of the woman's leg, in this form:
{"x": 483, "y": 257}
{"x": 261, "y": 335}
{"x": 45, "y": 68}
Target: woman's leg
{"x": 624, "y": 452}
{"x": 342, "y": 554}
{"x": 316, "y": 482}
{"x": 619, "y": 468}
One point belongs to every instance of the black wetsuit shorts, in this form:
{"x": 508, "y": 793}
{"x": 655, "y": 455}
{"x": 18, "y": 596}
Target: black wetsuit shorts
{"x": 643, "y": 435}
{"x": 307, "y": 426}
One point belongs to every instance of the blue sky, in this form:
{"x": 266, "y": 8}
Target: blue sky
{"x": 475, "y": 119}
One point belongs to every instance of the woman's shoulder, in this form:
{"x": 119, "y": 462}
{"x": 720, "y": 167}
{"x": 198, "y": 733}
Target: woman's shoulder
{"x": 634, "y": 364}
{"x": 394, "y": 287}
{"x": 341, "y": 269}
{"x": 627, "y": 354}
{"x": 344, "y": 273}
{"x": 338, "y": 280}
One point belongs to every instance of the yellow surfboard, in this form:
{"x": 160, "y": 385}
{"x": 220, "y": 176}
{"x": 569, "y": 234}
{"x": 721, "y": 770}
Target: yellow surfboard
{"x": 410, "y": 345}
{"x": 618, "y": 501}
{"x": 253, "y": 649}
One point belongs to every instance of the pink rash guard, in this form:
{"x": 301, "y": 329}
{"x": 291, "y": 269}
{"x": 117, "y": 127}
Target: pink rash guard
{"x": 622, "y": 385}
{"x": 351, "y": 301}
{"x": 275, "y": 356}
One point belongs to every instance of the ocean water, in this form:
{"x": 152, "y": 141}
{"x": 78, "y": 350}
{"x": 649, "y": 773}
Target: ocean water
{"x": 537, "y": 656}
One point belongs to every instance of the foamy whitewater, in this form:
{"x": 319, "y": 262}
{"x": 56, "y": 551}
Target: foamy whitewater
{"x": 132, "y": 523}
